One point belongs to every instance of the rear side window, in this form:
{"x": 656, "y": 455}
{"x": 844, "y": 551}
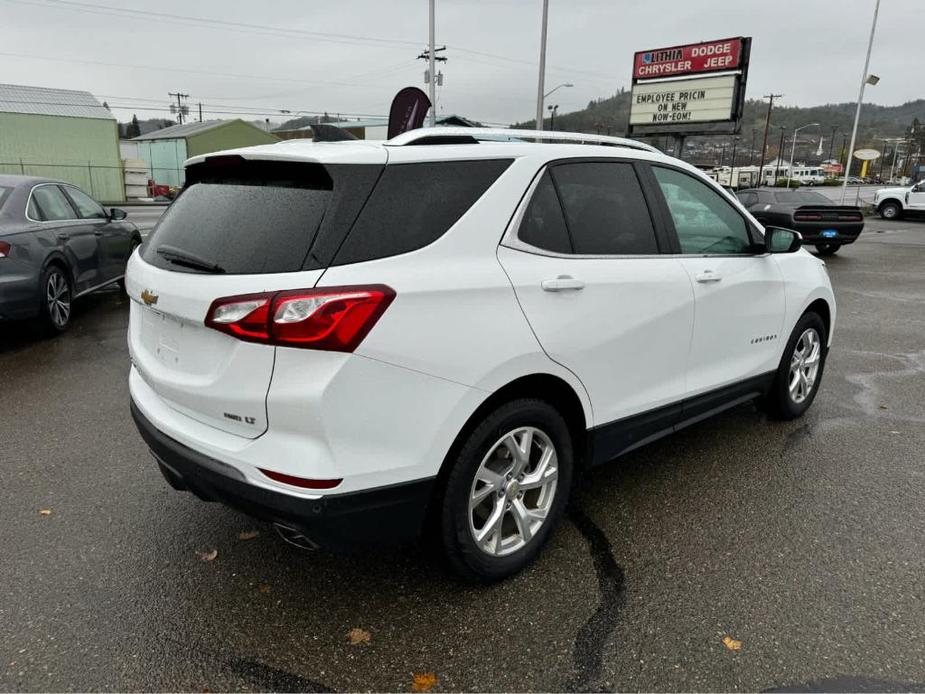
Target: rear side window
{"x": 543, "y": 225}
{"x": 250, "y": 219}
{"x": 605, "y": 209}
{"x": 413, "y": 205}
{"x": 50, "y": 204}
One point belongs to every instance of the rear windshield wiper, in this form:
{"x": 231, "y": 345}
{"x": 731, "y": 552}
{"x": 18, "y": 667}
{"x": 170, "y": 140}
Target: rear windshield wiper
{"x": 178, "y": 257}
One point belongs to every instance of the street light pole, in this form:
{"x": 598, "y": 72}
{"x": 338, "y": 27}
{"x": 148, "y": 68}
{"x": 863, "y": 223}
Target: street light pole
{"x": 780, "y": 152}
{"x": 793, "y": 148}
{"x": 832, "y": 143}
{"x": 542, "y": 77}
{"x": 857, "y": 113}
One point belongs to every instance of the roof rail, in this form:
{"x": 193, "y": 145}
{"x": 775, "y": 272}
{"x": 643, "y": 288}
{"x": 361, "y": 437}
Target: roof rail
{"x": 457, "y": 135}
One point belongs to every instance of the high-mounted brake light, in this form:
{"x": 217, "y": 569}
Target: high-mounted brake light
{"x": 330, "y": 318}
{"x": 5, "y": 249}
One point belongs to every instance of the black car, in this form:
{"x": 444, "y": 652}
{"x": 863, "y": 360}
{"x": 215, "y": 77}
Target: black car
{"x": 56, "y": 243}
{"x": 820, "y": 221}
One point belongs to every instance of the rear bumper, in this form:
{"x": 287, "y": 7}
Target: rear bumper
{"x": 845, "y": 233}
{"x": 19, "y": 293}
{"x": 333, "y": 521}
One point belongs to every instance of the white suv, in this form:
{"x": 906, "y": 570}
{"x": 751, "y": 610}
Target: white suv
{"x": 359, "y": 340}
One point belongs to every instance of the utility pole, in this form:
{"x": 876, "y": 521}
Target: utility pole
{"x": 751, "y": 158}
{"x": 179, "y": 96}
{"x": 541, "y": 85}
{"x": 200, "y": 112}
{"x": 722, "y": 155}
{"x": 767, "y": 124}
{"x": 780, "y": 151}
{"x": 832, "y": 143}
{"x": 431, "y": 54}
{"x": 735, "y": 141}
{"x": 865, "y": 78}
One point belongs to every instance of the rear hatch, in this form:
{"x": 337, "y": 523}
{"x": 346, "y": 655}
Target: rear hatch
{"x": 240, "y": 227}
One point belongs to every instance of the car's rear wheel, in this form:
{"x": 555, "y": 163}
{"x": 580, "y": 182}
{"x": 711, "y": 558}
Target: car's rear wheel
{"x": 800, "y": 370}
{"x": 55, "y": 313}
{"x": 827, "y": 248}
{"x": 890, "y": 210}
{"x": 507, "y": 490}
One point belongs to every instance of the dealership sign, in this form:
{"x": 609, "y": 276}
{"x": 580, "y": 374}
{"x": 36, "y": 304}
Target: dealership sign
{"x": 702, "y": 100}
{"x": 691, "y": 59}
{"x": 698, "y": 88}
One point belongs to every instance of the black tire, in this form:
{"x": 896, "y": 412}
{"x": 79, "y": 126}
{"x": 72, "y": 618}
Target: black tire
{"x": 780, "y": 403}
{"x": 827, "y": 248}
{"x": 55, "y": 313}
{"x": 464, "y": 554}
{"x": 890, "y": 210}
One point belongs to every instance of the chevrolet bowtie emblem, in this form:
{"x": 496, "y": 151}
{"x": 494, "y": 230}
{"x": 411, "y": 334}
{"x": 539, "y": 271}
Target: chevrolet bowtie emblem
{"x": 149, "y": 298}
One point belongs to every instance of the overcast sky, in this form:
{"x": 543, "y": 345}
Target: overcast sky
{"x": 280, "y": 54}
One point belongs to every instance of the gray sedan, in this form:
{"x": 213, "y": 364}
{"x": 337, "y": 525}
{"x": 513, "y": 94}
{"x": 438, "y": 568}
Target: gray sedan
{"x": 56, "y": 243}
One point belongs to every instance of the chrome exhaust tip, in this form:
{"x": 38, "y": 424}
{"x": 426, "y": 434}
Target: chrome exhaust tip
{"x": 294, "y": 537}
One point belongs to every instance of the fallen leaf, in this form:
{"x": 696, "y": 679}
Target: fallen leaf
{"x": 208, "y": 556}
{"x": 883, "y": 407}
{"x": 248, "y": 534}
{"x": 264, "y": 588}
{"x": 424, "y": 682}
{"x": 358, "y": 636}
{"x": 894, "y": 432}
{"x": 731, "y": 643}
{"x": 45, "y": 512}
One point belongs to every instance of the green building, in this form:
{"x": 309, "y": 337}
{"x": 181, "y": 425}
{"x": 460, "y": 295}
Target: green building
{"x": 165, "y": 150}
{"x": 62, "y": 134}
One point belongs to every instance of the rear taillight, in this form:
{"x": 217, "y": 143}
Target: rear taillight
{"x": 807, "y": 217}
{"x": 5, "y": 249}
{"x": 850, "y": 217}
{"x": 330, "y": 318}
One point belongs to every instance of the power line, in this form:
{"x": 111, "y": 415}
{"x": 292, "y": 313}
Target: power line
{"x": 348, "y": 39}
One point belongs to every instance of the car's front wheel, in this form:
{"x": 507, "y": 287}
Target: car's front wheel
{"x": 800, "y": 370}
{"x": 890, "y": 210}
{"x": 55, "y": 311}
{"x": 507, "y": 489}
{"x": 827, "y": 248}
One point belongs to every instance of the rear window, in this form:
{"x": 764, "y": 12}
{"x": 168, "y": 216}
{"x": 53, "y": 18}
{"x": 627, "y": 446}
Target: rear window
{"x": 413, "y": 205}
{"x": 250, "y": 219}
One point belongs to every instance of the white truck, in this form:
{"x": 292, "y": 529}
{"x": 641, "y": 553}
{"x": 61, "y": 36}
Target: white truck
{"x": 893, "y": 203}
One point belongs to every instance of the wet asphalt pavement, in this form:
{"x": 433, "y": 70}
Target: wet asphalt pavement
{"x": 804, "y": 541}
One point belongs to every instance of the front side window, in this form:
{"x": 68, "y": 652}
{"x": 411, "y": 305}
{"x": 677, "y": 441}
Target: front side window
{"x": 703, "y": 220}
{"x": 87, "y": 207}
{"x": 50, "y": 204}
{"x": 605, "y": 209}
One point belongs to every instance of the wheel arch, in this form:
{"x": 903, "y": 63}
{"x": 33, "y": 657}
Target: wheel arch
{"x": 895, "y": 200}
{"x": 543, "y": 386}
{"x": 58, "y": 259}
{"x": 821, "y": 307}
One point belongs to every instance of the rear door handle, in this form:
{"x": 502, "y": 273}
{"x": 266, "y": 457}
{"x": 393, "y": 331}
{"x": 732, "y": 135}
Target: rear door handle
{"x": 707, "y": 276}
{"x": 97, "y": 233}
{"x": 562, "y": 283}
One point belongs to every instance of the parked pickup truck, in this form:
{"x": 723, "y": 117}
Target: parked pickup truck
{"x": 893, "y": 203}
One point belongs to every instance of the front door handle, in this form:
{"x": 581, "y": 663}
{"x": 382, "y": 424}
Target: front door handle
{"x": 97, "y": 233}
{"x": 562, "y": 283}
{"x": 707, "y": 276}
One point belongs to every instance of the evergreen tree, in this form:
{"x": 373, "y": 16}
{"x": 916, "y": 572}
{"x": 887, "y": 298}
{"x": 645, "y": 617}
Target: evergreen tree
{"x": 133, "y": 129}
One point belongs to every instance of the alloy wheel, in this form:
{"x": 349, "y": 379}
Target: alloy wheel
{"x": 804, "y": 365}
{"x": 513, "y": 490}
{"x": 58, "y": 299}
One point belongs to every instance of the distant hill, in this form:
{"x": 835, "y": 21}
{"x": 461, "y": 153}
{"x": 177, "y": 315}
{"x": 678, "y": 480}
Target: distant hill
{"x": 610, "y": 116}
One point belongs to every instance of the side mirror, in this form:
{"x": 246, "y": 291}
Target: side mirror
{"x": 116, "y": 215}
{"x": 778, "y": 240}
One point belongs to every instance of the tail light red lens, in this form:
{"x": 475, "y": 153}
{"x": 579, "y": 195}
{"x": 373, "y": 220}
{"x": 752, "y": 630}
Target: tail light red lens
{"x": 850, "y": 217}
{"x": 807, "y": 217}
{"x": 330, "y": 318}
{"x": 302, "y": 482}
{"x": 5, "y": 249}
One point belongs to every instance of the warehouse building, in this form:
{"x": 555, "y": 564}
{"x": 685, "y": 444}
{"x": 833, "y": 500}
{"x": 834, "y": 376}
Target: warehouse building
{"x": 63, "y": 134}
{"x": 165, "y": 150}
